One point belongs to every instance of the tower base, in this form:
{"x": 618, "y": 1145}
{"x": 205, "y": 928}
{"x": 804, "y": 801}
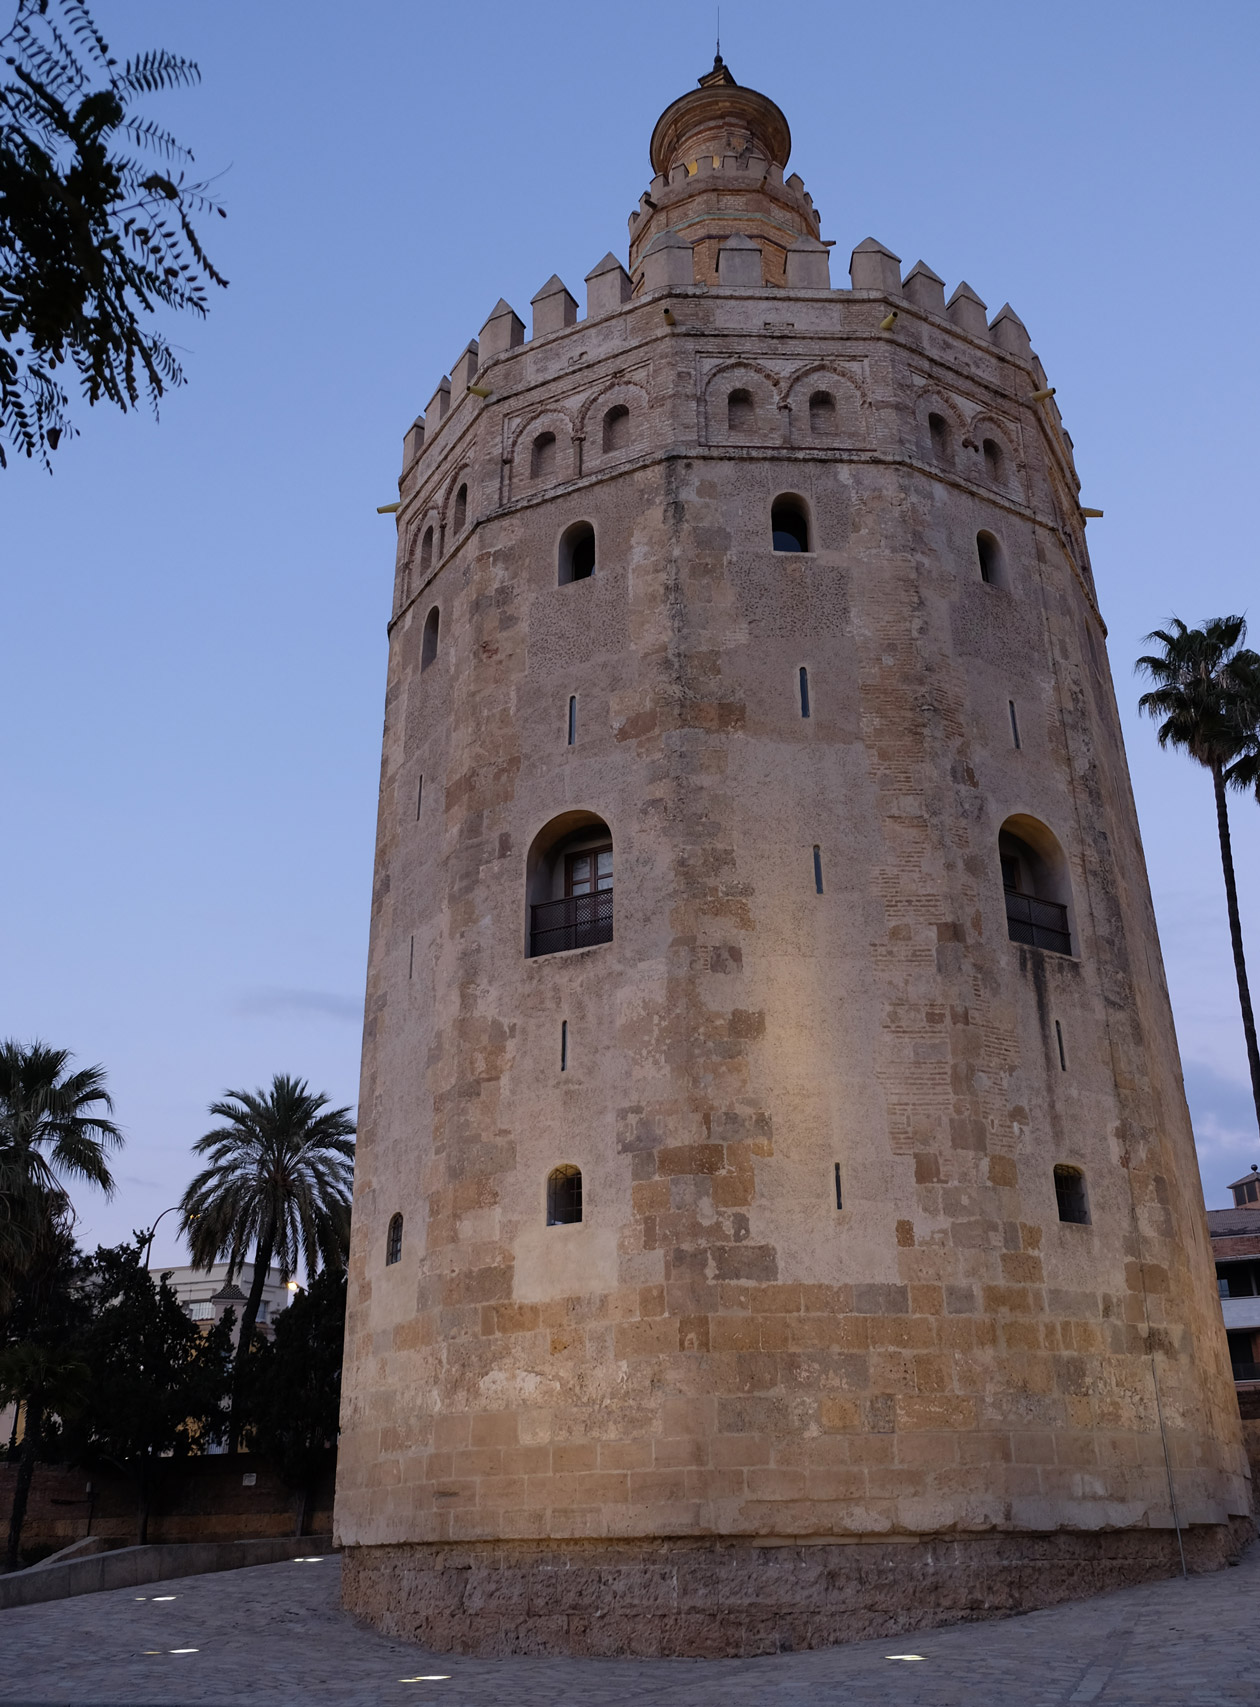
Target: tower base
{"x": 734, "y": 1598}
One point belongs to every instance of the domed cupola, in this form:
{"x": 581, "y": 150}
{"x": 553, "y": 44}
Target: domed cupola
{"x": 718, "y": 153}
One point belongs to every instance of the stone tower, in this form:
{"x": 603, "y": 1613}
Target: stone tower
{"x": 777, "y": 1216}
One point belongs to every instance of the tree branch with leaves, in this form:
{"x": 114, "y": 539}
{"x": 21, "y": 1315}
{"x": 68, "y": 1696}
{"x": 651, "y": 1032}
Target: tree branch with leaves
{"x": 96, "y": 225}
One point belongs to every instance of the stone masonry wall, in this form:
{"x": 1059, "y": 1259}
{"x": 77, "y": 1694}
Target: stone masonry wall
{"x": 718, "y": 1349}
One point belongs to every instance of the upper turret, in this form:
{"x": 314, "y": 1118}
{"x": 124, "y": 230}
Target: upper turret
{"x": 718, "y": 153}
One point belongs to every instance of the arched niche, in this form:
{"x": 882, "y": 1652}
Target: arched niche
{"x": 991, "y": 558}
{"x": 826, "y": 410}
{"x": 576, "y": 553}
{"x": 791, "y": 527}
{"x": 615, "y": 429}
{"x": 741, "y": 406}
{"x": 429, "y": 642}
{"x": 564, "y": 1196}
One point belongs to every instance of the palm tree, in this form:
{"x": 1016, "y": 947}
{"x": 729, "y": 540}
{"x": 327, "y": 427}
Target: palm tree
{"x": 1205, "y": 693}
{"x": 1244, "y": 773}
{"x": 53, "y": 1127}
{"x": 279, "y": 1180}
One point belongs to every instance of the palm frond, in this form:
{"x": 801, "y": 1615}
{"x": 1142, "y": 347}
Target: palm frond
{"x": 1204, "y": 681}
{"x": 279, "y": 1174}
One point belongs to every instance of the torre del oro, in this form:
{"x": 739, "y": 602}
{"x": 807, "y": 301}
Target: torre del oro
{"x": 777, "y": 1218}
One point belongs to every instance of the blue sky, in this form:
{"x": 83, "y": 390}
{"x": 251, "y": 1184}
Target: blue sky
{"x": 194, "y": 644}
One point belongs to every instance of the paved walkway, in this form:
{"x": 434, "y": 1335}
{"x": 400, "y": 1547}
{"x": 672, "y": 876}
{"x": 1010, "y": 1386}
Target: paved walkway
{"x": 275, "y": 1634}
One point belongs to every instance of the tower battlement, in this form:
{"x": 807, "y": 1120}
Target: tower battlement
{"x": 776, "y": 1213}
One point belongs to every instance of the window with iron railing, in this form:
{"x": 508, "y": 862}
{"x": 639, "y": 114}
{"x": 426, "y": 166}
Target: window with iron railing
{"x": 1039, "y": 924}
{"x": 584, "y": 916}
{"x": 576, "y": 921}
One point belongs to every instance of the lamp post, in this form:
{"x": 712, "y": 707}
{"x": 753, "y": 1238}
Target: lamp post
{"x": 148, "y": 1243}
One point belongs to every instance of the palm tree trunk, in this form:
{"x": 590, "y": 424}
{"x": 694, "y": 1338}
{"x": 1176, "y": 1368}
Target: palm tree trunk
{"x": 1235, "y": 933}
{"x": 22, "y": 1487}
{"x": 249, "y": 1318}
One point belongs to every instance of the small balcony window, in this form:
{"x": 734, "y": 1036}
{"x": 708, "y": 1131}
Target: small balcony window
{"x": 1034, "y": 884}
{"x": 570, "y": 886}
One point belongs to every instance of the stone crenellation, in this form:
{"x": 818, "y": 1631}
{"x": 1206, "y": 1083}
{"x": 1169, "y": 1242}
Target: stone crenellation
{"x": 775, "y": 1187}
{"x": 873, "y": 269}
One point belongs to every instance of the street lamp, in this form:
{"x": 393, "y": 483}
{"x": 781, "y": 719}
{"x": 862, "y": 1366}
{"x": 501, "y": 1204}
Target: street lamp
{"x": 148, "y": 1243}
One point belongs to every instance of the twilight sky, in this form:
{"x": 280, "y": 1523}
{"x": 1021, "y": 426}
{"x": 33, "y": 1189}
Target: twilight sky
{"x": 192, "y": 675}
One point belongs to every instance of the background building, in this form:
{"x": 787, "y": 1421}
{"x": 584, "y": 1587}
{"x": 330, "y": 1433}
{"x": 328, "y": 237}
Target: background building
{"x": 776, "y": 1213}
{"x": 208, "y": 1294}
{"x": 1235, "y": 1237}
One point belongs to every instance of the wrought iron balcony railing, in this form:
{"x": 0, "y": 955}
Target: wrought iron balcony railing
{"x": 1040, "y": 924}
{"x": 579, "y": 921}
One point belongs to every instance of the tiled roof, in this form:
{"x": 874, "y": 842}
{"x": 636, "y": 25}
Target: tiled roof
{"x": 1227, "y": 1223}
{"x": 230, "y": 1293}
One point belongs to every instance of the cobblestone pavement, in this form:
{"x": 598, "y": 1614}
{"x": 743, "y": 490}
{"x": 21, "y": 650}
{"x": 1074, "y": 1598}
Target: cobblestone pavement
{"x": 276, "y": 1634}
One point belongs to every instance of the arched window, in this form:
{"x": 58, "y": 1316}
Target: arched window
{"x": 616, "y": 428}
{"x": 1069, "y": 1189}
{"x": 429, "y": 645}
{"x": 741, "y": 413}
{"x": 994, "y": 461}
{"x": 393, "y": 1240}
{"x": 426, "y": 549}
{"x": 789, "y": 524}
{"x": 564, "y": 1196}
{"x": 1035, "y": 885}
{"x": 577, "y": 553}
{"x": 938, "y": 427}
{"x": 569, "y": 885}
{"x": 822, "y": 413}
{"x": 989, "y": 555}
{"x": 542, "y": 457}
{"x": 461, "y": 509}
